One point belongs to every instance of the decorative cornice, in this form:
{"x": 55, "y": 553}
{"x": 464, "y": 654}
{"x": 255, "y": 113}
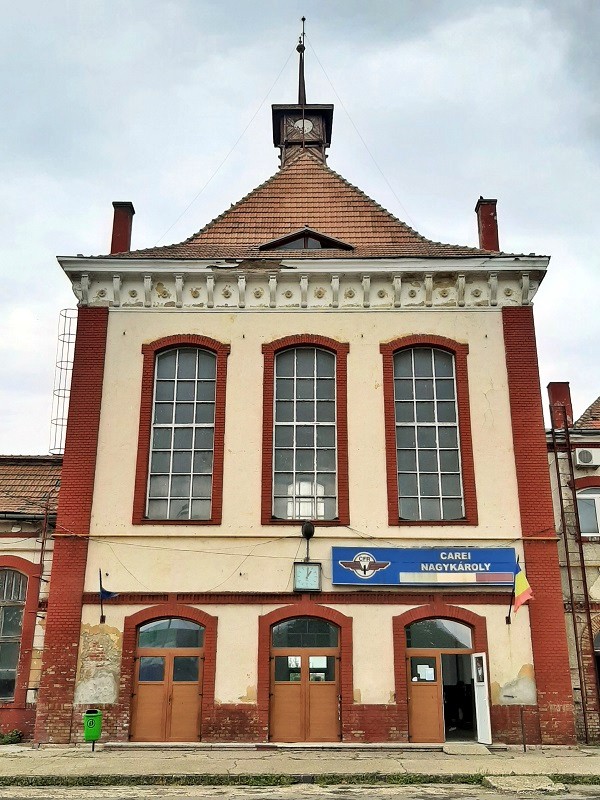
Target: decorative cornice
{"x": 341, "y": 284}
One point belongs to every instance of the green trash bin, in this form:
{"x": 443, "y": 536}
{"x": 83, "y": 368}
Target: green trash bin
{"x": 92, "y": 725}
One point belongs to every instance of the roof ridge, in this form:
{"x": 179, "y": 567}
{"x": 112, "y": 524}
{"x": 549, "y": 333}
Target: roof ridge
{"x": 397, "y": 219}
{"x": 591, "y": 414}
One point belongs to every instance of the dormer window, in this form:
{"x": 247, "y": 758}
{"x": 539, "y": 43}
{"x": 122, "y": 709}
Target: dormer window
{"x": 305, "y": 239}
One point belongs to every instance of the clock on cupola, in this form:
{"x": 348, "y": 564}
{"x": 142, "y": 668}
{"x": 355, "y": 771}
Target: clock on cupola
{"x": 302, "y": 127}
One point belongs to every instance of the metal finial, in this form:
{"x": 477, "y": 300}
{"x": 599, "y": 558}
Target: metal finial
{"x": 301, "y": 85}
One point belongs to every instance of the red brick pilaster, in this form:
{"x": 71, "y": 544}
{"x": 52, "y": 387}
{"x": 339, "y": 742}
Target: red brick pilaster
{"x": 546, "y": 613}
{"x": 63, "y": 622}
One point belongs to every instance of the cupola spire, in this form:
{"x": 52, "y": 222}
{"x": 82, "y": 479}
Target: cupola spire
{"x": 302, "y": 128}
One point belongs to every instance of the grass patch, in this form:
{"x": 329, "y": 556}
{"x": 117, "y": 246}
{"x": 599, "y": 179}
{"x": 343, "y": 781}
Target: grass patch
{"x": 367, "y": 778}
{"x": 581, "y": 780}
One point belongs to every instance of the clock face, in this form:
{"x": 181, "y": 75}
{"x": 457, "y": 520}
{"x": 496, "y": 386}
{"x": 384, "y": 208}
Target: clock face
{"x": 307, "y": 577}
{"x": 303, "y": 125}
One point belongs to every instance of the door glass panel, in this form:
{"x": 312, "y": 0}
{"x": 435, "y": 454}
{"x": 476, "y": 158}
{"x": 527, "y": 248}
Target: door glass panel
{"x": 185, "y": 668}
{"x": 443, "y": 633}
{"x": 171, "y": 633}
{"x": 152, "y": 668}
{"x": 287, "y": 668}
{"x": 321, "y": 668}
{"x": 422, "y": 669}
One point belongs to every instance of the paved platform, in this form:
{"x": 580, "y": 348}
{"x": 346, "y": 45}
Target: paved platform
{"x": 305, "y": 764}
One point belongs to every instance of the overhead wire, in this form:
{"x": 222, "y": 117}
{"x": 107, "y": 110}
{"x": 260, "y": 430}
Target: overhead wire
{"x": 237, "y": 141}
{"x": 359, "y": 134}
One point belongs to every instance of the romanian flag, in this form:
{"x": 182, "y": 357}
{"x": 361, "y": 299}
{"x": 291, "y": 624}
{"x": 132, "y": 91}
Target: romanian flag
{"x": 522, "y": 589}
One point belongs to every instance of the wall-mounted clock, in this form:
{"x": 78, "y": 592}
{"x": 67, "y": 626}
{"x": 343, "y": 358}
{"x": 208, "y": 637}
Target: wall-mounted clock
{"x": 307, "y": 576}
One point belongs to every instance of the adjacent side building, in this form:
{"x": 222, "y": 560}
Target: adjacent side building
{"x": 28, "y": 500}
{"x": 574, "y": 455}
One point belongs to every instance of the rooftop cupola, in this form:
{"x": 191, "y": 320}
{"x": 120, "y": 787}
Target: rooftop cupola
{"x": 302, "y": 127}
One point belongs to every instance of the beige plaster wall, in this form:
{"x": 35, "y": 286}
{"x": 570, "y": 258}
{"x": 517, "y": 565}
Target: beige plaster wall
{"x": 245, "y": 332}
{"x": 510, "y": 656}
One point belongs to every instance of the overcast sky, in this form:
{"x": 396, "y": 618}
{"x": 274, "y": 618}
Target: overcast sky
{"x": 142, "y": 100}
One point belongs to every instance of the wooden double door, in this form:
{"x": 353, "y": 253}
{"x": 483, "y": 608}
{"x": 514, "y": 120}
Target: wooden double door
{"x": 167, "y": 694}
{"x": 305, "y": 695}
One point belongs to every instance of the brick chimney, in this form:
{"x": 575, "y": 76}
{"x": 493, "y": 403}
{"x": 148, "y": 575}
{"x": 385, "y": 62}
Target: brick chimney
{"x": 560, "y": 395}
{"x": 487, "y": 224}
{"x": 121, "y": 232}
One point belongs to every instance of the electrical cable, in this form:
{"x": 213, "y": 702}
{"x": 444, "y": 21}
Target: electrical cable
{"x": 238, "y": 140}
{"x": 389, "y": 185}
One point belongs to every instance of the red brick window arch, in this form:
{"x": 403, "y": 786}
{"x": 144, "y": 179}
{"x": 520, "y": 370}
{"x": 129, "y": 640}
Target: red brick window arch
{"x": 305, "y": 431}
{"x": 429, "y": 455}
{"x": 179, "y": 476}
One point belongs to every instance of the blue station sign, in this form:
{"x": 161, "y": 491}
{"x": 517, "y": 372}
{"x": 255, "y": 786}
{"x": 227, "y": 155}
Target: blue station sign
{"x": 423, "y": 566}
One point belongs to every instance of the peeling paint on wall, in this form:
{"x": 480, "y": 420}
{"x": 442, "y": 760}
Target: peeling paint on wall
{"x": 250, "y": 696}
{"x": 99, "y": 665}
{"x": 518, "y": 692}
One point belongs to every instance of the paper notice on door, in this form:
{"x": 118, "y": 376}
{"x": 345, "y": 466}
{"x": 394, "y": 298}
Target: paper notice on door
{"x": 422, "y": 671}
{"x": 429, "y": 674}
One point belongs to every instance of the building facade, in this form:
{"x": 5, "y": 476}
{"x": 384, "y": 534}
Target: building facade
{"x": 574, "y": 455}
{"x": 28, "y": 499}
{"x": 306, "y": 356}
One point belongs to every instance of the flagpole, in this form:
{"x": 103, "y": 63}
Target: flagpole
{"x": 102, "y": 617}
{"x": 512, "y": 596}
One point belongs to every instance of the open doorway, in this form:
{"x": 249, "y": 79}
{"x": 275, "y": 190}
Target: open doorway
{"x": 459, "y": 697}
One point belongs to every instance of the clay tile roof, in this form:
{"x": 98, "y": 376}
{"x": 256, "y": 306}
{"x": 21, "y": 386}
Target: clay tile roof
{"x": 590, "y": 417}
{"x": 26, "y": 481}
{"x": 306, "y": 193}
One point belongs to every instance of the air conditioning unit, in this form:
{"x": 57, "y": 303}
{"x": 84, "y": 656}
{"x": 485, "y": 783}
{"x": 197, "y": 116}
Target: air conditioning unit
{"x": 587, "y": 458}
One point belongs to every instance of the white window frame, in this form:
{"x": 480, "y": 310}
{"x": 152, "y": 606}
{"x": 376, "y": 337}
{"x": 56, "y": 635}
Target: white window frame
{"x": 590, "y": 493}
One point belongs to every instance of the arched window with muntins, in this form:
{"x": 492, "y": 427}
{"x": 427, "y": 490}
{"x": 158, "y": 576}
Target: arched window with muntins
{"x": 428, "y": 451}
{"x": 170, "y": 632}
{"x": 183, "y": 433}
{"x": 13, "y": 591}
{"x": 304, "y": 632}
{"x": 442, "y": 634}
{"x": 304, "y": 436}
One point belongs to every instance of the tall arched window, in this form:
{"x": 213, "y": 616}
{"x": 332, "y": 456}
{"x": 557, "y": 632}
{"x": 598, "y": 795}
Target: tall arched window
{"x": 429, "y": 454}
{"x": 13, "y": 590}
{"x": 427, "y": 437}
{"x": 304, "y": 455}
{"x": 183, "y": 428}
{"x": 305, "y": 431}
{"x": 179, "y": 472}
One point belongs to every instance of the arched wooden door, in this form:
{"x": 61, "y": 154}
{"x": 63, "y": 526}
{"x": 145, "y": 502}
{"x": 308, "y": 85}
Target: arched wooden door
{"x": 167, "y": 692}
{"x": 305, "y": 683}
